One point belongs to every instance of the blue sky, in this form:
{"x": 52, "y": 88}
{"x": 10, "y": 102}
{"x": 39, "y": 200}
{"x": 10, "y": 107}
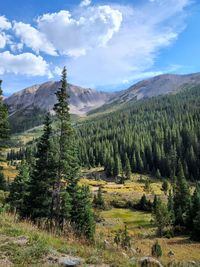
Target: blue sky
{"x": 107, "y": 45}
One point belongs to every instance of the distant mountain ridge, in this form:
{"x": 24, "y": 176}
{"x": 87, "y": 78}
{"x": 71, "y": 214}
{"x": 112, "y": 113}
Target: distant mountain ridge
{"x": 158, "y": 85}
{"x": 43, "y": 97}
{"x": 83, "y": 100}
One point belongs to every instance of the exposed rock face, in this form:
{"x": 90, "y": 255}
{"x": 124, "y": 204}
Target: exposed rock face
{"x": 43, "y": 97}
{"x": 159, "y": 85}
{"x": 83, "y": 100}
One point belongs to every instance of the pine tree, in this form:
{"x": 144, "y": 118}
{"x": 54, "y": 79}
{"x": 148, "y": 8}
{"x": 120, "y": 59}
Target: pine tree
{"x": 127, "y": 167}
{"x": 98, "y": 201}
{"x": 165, "y": 187}
{"x": 196, "y": 227}
{"x": 82, "y": 215}
{"x": 143, "y": 204}
{"x": 117, "y": 166}
{"x": 156, "y": 250}
{"x": 19, "y": 189}
{"x": 181, "y": 197}
{"x": 40, "y": 186}
{"x": 3, "y": 185}
{"x": 125, "y": 239}
{"x": 170, "y": 205}
{"x": 4, "y": 125}
{"x": 162, "y": 218}
{"x": 4, "y": 132}
{"x": 67, "y": 160}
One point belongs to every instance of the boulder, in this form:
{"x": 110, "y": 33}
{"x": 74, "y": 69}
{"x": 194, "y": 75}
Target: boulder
{"x": 149, "y": 261}
{"x": 70, "y": 261}
{"x": 171, "y": 253}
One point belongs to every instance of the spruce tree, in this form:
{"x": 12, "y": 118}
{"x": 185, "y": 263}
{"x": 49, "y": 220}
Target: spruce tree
{"x": 40, "y": 186}
{"x": 196, "y": 227}
{"x": 162, "y": 218}
{"x": 156, "y": 250}
{"x": 4, "y": 125}
{"x": 3, "y": 185}
{"x": 117, "y": 166}
{"x": 165, "y": 187}
{"x": 19, "y": 190}
{"x": 181, "y": 197}
{"x": 98, "y": 201}
{"x": 4, "y": 133}
{"x": 82, "y": 217}
{"x": 67, "y": 160}
{"x": 127, "y": 167}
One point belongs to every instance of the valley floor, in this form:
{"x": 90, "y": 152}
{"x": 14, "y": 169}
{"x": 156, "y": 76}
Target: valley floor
{"x": 22, "y": 244}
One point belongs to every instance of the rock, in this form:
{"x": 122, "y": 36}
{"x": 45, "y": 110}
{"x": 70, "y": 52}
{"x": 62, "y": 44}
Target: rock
{"x": 171, "y": 253}
{"x": 134, "y": 251}
{"x": 5, "y": 263}
{"x": 145, "y": 261}
{"x": 192, "y": 263}
{"x": 132, "y": 260}
{"x": 21, "y": 241}
{"x": 125, "y": 255}
{"x": 70, "y": 261}
{"x": 52, "y": 259}
{"x": 106, "y": 244}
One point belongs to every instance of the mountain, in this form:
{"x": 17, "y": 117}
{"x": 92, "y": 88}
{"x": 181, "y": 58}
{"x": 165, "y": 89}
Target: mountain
{"x": 42, "y": 97}
{"x": 158, "y": 85}
{"x": 27, "y": 107}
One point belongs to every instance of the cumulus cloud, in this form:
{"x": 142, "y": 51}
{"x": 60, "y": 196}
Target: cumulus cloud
{"x": 25, "y": 64}
{"x": 135, "y": 47}
{"x": 31, "y": 37}
{"x": 72, "y": 36}
{"x": 4, "y": 23}
{"x": 85, "y": 3}
{"x": 3, "y": 40}
{"x": 100, "y": 44}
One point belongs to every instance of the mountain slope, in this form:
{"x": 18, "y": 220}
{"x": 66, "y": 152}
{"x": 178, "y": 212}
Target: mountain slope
{"x": 158, "y": 85}
{"x": 42, "y": 97}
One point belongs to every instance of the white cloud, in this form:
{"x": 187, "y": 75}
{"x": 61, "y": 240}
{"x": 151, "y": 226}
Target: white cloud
{"x": 25, "y": 64}
{"x": 85, "y": 3}
{"x": 33, "y": 38}
{"x": 134, "y": 49}
{"x": 3, "y": 40}
{"x": 100, "y": 44}
{"x": 4, "y": 23}
{"x": 57, "y": 71}
{"x": 71, "y": 36}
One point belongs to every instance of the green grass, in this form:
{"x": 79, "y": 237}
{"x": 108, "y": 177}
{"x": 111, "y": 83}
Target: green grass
{"x": 136, "y": 221}
{"x": 40, "y": 245}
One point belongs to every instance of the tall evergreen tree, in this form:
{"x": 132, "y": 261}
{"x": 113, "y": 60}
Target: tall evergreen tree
{"x": 181, "y": 197}
{"x": 82, "y": 217}
{"x": 127, "y": 167}
{"x": 40, "y": 186}
{"x": 4, "y": 133}
{"x": 3, "y": 185}
{"x": 4, "y": 125}
{"x": 67, "y": 161}
{"x": 18, "y": 191}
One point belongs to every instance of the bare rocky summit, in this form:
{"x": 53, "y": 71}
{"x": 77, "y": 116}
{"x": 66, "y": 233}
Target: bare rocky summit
{"x": 83, "y": 100}
{"x": 43, "y": 97}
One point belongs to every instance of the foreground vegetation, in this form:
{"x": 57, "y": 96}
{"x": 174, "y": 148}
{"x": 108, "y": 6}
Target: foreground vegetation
{"x": 49, "y": 210}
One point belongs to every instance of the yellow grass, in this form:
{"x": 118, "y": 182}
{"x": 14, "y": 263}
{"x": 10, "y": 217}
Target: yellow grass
{"x": 9, "y": 172}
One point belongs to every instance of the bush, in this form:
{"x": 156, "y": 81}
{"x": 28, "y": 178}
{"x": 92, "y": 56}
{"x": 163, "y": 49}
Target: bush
{"x": 156, "y": 250}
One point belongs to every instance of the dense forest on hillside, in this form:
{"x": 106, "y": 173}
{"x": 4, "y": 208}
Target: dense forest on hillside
{"x": 159, "y": 136}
